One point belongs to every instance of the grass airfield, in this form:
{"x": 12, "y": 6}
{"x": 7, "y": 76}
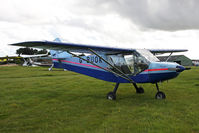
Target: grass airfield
{"x": 38, "y": 100}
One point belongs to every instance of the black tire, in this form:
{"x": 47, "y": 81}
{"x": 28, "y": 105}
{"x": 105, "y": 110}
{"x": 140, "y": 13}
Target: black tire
{"x": 140, "y": 90}
{"x": 160, "y": 95}
{"x": 111, "y": 96}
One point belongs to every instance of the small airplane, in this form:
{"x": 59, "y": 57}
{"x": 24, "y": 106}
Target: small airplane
{"x": 119, "y": 65}
{"x": 3, "y": 60}
{"x": 7, "y": 59}
{"x": 26, "y": 58}
{"x": 29, "y": 62}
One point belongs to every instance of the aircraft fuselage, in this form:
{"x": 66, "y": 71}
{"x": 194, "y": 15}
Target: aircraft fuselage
{"x": 156, "y": 71}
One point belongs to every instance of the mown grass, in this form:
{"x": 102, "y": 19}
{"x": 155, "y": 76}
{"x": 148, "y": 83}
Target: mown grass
{"x": 37, "y": 100}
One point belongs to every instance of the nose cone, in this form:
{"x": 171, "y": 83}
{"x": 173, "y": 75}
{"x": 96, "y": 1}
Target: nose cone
{"x": 180, "y": 68}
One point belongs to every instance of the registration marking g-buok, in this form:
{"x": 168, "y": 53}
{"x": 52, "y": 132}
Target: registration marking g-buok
{"x": 93, "y": 59}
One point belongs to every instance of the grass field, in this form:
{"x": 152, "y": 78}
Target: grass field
{"x": 37, "y": 100}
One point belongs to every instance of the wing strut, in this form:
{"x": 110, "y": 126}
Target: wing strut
{"x": 127, "y": 78}
{"x": 169, "y": 57}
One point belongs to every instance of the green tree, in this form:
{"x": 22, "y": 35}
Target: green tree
{"x": 30, "y": 51}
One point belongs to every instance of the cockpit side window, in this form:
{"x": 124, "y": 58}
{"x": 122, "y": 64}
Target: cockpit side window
{"x": 119, "y": 62}
{"x": 136, "y": 63}
{"x": 131, "y": 64}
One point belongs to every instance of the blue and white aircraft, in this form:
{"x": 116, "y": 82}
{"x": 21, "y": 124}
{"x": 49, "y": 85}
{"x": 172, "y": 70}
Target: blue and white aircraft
{"x": 119, "y": 65}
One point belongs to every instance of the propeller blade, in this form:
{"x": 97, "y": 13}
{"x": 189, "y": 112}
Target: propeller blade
{"x": 187, "y": 68}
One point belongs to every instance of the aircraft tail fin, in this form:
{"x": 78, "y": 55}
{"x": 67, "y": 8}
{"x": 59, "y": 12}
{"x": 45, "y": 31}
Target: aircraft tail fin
{"x": 58, "y": 54}
{"x": 57, "y": 40}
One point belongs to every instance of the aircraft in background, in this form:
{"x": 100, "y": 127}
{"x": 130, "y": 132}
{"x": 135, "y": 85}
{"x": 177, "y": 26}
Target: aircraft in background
{"x": 119, "y": 65}
{"x": 28, "y": 60}
{"x": 8, "y": 59}
{"x": 2, "y": 60}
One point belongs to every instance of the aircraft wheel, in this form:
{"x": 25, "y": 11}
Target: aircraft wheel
{"x": 160, "y": 95}
{"x": 140, "y": 90}
{"x": 111, "y": 96}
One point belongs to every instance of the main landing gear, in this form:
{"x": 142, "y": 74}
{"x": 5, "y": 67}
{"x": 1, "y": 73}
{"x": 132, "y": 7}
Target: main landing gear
{"x": 159, "y": 94}
{"x": 139, "y": 90}
{"x": 112, "y": 95}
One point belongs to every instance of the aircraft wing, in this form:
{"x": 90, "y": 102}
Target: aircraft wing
{"x": 80, "y": 48}
{"x": 162, "y": 51}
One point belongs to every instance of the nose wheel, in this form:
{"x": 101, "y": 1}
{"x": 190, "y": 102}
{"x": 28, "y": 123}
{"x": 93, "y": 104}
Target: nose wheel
{"x": 111, "y": 96}
{"x": 159, "y": 94}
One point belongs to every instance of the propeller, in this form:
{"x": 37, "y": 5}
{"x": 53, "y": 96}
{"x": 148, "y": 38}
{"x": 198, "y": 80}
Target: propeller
{"x": 187, "y": 68}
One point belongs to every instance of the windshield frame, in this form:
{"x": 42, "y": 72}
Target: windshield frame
{"x": 147, "y": 55}
{"x": 132, "y": 63}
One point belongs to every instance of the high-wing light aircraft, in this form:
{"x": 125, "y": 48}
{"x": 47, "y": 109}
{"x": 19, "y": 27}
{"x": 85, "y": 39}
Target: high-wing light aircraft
{"x": 29, "y": 62}
{"x": 27, "y": 59}
{"x": 5, "y": 60}
{"x": 117, "y": 65}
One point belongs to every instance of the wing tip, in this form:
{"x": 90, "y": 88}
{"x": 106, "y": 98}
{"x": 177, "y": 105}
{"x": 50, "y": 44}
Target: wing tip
{"x": 168, "y": 50}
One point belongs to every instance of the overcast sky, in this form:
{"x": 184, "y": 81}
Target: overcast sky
{"x": 121, "y": 23}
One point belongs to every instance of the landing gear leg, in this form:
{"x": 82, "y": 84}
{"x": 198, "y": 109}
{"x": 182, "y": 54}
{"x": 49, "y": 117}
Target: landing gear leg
{"x": 112, "y": 95}
{"x": 159, "y": 94}
{"x": 50, "y": 69}
{"x": 138, "y": 89}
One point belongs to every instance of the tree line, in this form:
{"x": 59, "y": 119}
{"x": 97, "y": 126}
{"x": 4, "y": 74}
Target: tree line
{"x": 30, "y": 51}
